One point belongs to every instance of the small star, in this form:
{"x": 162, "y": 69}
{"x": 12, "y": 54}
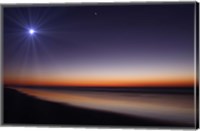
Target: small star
{"x": 95, "y": 13}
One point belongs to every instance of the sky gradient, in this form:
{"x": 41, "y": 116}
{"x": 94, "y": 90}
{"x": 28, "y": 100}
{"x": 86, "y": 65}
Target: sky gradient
{"x": 121, "y": 45}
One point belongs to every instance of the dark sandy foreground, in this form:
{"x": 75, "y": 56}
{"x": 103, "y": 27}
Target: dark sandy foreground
{"x": 21, "y": 109}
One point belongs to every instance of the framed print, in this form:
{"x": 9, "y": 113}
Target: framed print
{"x": 112, "y": 65}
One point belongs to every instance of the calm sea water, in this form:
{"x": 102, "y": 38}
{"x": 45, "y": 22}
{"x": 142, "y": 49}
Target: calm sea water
{"x": 173, "y": 107}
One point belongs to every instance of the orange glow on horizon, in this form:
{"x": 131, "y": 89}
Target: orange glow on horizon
{"x": 102, "y": 82}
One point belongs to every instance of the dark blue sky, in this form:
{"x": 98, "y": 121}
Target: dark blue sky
{"x": 100, "y": 44}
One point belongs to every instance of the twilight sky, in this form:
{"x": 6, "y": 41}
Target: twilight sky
{"x": 121, "y": 45}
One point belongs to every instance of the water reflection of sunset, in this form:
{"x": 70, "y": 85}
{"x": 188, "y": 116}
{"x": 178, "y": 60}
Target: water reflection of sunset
{"x": 169, "y": 107}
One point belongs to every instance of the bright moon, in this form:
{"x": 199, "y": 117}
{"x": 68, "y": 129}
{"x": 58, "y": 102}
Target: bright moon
{"x": 31, "y": 31}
